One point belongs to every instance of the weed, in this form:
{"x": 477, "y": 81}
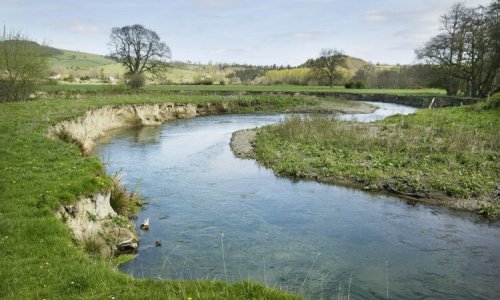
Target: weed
{"x": 123, "y": 202}
{"x": 488, "y": 210}
{"x": 92, "y": 217}
{"x": 92, "y": 247}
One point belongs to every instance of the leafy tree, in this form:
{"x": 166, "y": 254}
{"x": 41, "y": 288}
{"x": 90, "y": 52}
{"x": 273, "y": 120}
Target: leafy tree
{"x": 139, "y": 49}
{"x": 468, "y": 49}
{"x": 327, "y": 65}
{"x": 23, "y": 63}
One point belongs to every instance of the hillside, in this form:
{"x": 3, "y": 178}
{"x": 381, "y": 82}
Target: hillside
{"x": 81, "y": 67}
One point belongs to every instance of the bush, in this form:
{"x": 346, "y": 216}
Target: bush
{"x": 23, "y": 64}
{"x": 136, "y": 80}
{"x": 69, "y": 78}
{"x": 202, "y": 79}
{"x": 85, "y": 78}
{"x": 354, "y": 85}
{"x": 360, "y": 85}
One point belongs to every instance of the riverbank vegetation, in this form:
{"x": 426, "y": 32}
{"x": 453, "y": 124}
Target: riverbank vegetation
{"x": 122, "y": 89}
{"x": 40, "y": 259}
{"x": 443, "y": 156}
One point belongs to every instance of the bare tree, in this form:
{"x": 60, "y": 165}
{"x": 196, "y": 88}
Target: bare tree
{"x": 139, "y": 49}
{"x": 325, "y": 66}
{"x": 467, "y": 49}
{"x": 23, "y": 63}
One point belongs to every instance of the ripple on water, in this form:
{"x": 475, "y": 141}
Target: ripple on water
{"x": 304, "y": 237}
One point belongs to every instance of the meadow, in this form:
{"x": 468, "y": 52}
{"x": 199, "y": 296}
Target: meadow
{"x": 240, "y": 88}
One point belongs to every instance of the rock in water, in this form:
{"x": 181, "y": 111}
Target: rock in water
{"x": 127, "y": 246}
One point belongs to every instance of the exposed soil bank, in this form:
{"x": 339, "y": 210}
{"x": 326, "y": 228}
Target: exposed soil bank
{"x": 93, "y": 220}
{"x": 98, "y": 227}
{"x": 87, "y": 129}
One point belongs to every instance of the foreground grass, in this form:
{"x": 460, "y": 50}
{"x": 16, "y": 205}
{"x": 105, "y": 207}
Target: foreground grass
{"x": 447, "y": 156}
{"x": 244, "y": 88}
{"x": 39, "y": 258}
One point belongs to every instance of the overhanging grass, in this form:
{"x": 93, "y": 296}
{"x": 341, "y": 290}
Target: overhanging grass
{"x": 38, "y": 258}
{"x": 435, "y": 154}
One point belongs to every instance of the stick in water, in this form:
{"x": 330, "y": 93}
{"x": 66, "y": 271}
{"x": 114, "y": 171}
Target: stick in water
{"x": 386, "y": 281}
{"x": 223, "y": 258}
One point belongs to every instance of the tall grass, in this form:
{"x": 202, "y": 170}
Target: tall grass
{"x": 451, "y": 152}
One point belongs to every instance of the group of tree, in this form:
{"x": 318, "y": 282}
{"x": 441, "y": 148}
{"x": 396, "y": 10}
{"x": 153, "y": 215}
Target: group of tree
{"x": 467, "y": 51}
{"x": 464, "y": 58}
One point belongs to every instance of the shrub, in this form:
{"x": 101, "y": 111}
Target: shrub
{"x": 85, "y": 78}
{"x": 354, "y": 85}
{"x": 135, "y": 80}
{"x": 69, "y": 78}
{"x": 202, "y": 79}
{"x": 360, "y": 85}
{"x": 23, "y": 64}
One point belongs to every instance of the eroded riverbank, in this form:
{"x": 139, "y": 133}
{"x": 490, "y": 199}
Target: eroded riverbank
{"x": 98, "y": 225}
{"x": 300, "y": 236}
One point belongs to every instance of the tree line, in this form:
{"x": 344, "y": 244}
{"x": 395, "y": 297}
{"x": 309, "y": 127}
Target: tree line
{"x": 464, "y": 59}
{"x": 467, "y": 51}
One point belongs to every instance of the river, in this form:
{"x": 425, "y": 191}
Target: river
{"x": 220, "y": 217}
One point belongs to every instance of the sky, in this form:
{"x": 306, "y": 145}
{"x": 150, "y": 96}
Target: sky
{"x": 282, "y": 32}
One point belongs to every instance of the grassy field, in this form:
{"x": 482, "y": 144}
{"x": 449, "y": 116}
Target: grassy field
{"x": 76, "y": 59}
{"x": 39, "y": 258}
{"x": 247, "y": 88}
{"x": 443, "y": 156}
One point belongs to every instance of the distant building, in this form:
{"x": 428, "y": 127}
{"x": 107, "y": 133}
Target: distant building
{"x": 55, "y": 76}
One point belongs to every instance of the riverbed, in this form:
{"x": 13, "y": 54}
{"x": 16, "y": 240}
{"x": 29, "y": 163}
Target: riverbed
{"x": 220, "y": 217}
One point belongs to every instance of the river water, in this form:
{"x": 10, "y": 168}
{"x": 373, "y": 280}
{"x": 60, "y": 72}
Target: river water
{"x": 220, "y": 217}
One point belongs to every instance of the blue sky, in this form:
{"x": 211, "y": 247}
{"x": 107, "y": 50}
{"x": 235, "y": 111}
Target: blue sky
{"x": 255, "y": 32}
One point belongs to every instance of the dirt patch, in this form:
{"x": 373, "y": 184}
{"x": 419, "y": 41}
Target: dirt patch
{"x": 242, "y": 143}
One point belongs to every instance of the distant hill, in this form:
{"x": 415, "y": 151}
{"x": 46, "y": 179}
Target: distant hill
{"x": 76, "y": 59}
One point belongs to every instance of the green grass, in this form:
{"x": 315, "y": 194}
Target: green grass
{"x": 294, "y": 88}
{"x": 449, "y": 155}
{"x": 251, "y": 88}
{"x": 76, "y": 59}
{"x": 39, "y": 258}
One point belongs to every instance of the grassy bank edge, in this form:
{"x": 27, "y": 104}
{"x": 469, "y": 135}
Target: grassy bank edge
{"x": 306, "y": 158}
{"x": 38, "y": 175}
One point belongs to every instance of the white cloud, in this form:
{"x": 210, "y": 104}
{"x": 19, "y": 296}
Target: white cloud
{"x": 84, "y": 27}
{"x": 375, "y": 16}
